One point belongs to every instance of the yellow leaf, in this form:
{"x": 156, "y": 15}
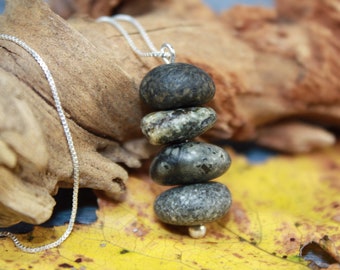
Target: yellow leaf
{"x": 278, "y": 206}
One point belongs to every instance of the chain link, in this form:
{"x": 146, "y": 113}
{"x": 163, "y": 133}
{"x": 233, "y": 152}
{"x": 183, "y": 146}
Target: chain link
{"x": 167, "y": 53}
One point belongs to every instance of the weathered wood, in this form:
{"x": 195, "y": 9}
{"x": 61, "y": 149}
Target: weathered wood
{"x": 99, "y": 98}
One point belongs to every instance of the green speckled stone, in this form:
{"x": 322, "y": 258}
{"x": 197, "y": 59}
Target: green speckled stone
{"x": 188, "y": 163}
{"x": 177, "y": 125}
{"x": 176, "y": 85}
{"x": 194, "y": 204}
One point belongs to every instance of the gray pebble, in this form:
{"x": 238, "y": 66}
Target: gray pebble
{"x": 193, "y": 204}
{"x": 177, "y": 125}
{"x": 188, "y": 163}
{"x": 176, "y": 85}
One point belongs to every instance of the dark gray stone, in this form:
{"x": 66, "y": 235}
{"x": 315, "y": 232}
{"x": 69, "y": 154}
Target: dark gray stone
{"x": 177, "y": 125}
{"x": 176, "y": 85}
{"x": 188, "y": 163}
{"x": 193, "y": 204}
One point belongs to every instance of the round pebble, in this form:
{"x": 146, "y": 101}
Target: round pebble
{"x": 188, "y": 163}
{"x": 176, "y": 85}
{"x": 193, "y": 205}
{"x": 177, "y": 125}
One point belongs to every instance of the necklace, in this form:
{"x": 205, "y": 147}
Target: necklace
{"x": 177, "y": 91}
{"x": 71, "y": 147}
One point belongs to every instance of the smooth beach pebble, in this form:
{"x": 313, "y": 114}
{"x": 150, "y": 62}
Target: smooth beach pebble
{"x": 193, "y": 205}
{"x": 177, "y": 125}
{"x": 176, "y": 85}
{"x": 188, "y": 163}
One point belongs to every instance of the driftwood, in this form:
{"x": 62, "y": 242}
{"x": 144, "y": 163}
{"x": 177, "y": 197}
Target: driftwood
{"x": 100, "y": 99}
{"x": 275, "y": 72}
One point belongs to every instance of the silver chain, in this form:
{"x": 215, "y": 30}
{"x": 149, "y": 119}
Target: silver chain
{"x": 167, "y": 52}
{"x": 71, "y": 147}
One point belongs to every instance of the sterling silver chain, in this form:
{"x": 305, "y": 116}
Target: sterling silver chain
{"x": 71, "y": 147}
{"x": 167, "y": 53}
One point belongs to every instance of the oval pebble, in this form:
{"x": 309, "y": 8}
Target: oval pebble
{"x": 188, "y": 163}
{"x": 177, "y": 125}
{"x": 193, "y": 204}
{"x": 176, "y": 85}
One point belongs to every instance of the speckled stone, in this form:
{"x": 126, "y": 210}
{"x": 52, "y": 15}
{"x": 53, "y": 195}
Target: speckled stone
{"x": 176, "y": 85}
{"x": 188, "y": 163}
{"x": 177, "y": 125}
{"x": 193, "y": 204}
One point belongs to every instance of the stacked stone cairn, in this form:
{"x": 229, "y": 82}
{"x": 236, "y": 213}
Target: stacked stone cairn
{"x": 177, "y": 92}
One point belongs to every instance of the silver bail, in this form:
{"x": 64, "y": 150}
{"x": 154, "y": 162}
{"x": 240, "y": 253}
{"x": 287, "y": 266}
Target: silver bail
{"x": 168, "y": 53}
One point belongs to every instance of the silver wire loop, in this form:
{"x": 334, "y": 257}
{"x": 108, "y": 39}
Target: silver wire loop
{"x": 70, "y": 144}
{"x": 167, "y": 53}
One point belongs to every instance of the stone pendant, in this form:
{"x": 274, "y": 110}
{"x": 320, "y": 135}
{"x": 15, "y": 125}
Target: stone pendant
{"x": 176, "y": 91}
